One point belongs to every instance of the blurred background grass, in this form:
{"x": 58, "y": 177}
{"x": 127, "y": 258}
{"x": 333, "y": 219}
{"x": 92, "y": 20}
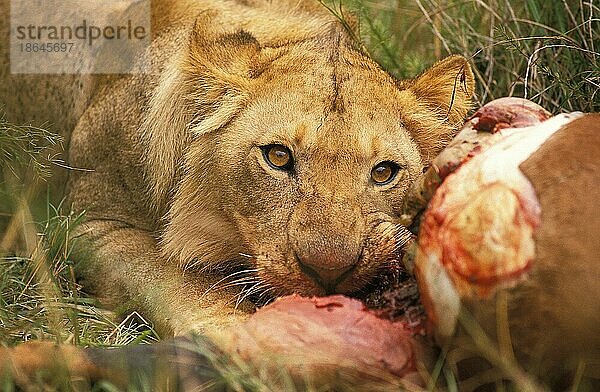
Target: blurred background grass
{"x": 546, "y": 51}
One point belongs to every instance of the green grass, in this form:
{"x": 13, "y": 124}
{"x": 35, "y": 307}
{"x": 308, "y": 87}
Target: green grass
{"x": 547, "y": 51}
{"x": 40, "y": 298}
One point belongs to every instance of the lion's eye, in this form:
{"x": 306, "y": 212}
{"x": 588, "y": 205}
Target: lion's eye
{"x": 278, "y": 156}
{"x": 384, "y": 172}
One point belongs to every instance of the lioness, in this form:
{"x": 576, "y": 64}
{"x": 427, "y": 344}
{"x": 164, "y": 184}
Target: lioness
{"x": 262, "y": 149}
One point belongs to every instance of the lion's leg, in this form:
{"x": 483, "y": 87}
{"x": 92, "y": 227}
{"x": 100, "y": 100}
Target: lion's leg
{"x": 123, "y": 263}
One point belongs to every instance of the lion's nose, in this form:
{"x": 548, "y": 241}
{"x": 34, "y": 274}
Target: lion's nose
{"x": 326, "y": 274}
{"x": 326, "y": 235}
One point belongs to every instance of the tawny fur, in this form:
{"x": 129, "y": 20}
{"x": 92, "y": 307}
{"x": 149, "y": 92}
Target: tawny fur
{"x": 180, "y": 192}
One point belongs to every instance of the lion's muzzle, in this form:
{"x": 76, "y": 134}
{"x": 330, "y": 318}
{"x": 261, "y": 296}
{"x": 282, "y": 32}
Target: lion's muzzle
{"x": 327, "y": 241}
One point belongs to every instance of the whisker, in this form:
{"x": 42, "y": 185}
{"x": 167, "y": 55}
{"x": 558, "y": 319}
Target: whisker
{"x": 217, "y": 286}
{"x": 247, "y": 293}
{"x": 240, "y": 282}
{"x": 267, "y": 296}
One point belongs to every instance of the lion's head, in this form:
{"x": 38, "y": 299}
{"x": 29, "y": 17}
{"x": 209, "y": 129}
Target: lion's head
{"x": 291, "y": 156}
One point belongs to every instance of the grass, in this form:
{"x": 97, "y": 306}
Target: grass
{"x": 40, "y": 296}
{"x": 42, "y": 300}
{"x": 547, "y": 51}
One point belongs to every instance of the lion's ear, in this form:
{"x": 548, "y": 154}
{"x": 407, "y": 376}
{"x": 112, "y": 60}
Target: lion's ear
{"x": 218, "y": 68}
{"x": 444, "y": 95}
{"x": 220, "y": 57}
{"x": 447, "y": 88}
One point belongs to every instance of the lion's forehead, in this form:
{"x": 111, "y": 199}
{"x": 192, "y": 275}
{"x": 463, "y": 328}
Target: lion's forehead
{"x": 331, "y": 72}
{"x": 312, "y": 117}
